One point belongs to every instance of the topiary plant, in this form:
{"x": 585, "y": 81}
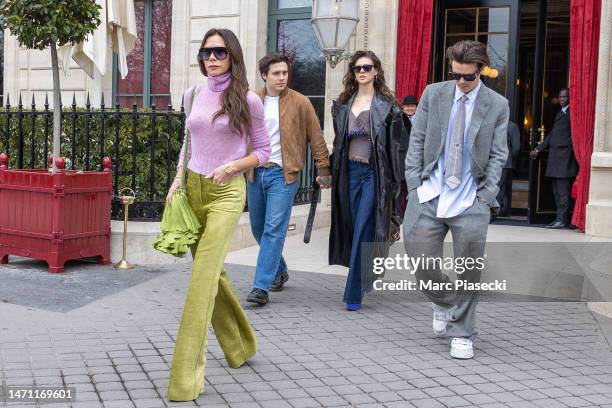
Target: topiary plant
{"x": 39, "y": 24}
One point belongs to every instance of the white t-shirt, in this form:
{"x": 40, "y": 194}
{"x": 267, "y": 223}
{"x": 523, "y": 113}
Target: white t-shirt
{"x": 271, "y": 112}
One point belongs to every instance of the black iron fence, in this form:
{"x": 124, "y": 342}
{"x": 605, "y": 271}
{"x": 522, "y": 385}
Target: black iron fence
{"x": 144, "y": 145}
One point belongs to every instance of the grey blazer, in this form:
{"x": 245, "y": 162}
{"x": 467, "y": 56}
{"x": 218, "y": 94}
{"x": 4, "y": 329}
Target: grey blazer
{"x": 486, "y": 134}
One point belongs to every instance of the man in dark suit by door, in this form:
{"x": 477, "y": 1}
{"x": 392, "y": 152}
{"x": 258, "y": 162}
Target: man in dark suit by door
{"x": 409, "y": 107}
{"x": 562, "y": 166}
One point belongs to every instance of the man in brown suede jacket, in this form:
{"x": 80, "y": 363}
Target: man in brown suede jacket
{"x": 292, "y": 125}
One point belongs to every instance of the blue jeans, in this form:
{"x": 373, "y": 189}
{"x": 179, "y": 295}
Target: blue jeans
{"x": 270, "y": 202}
{"x": 362, "y": 197}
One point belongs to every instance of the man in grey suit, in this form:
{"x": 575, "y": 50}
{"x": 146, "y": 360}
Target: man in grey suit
{"x": 457, "y": 151}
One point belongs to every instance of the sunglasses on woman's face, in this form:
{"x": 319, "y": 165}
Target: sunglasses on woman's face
{"x": 468, "y": 77}
{"x": 205, "y": 53}
{"x": 362, "y": 68}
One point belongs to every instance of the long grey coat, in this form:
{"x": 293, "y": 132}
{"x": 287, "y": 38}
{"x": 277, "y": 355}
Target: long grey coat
{"x": 486, "y": 132}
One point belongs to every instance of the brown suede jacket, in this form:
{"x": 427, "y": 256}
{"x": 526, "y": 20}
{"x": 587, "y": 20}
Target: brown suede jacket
{"x": 299, "y": 126}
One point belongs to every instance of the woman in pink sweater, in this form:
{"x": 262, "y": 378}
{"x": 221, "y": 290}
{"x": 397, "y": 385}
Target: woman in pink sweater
{"x": 224, "y": 118}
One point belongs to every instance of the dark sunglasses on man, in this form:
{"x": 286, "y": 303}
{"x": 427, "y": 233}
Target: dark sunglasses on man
{"x": 205, "y": 53}
{"x": 468, "y": 77}
{"x": 362, "y": 68}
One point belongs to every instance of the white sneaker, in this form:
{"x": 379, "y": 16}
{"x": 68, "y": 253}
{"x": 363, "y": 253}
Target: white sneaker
{"x": 461, "y": 348}
{"x": 441, "y": 316}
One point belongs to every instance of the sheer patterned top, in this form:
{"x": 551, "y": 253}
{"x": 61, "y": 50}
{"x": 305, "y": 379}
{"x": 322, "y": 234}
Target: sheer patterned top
{"x": 360, "y": 144}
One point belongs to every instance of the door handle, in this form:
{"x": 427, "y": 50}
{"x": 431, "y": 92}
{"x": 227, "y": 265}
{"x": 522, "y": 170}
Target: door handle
{"x": 542, "y": 133}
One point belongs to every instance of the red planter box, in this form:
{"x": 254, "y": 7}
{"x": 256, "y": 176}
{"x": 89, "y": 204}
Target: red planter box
{"x": 55, "y": 217}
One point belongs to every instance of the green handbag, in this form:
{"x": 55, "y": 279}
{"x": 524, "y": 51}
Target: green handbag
{"x": 180, "y": 227}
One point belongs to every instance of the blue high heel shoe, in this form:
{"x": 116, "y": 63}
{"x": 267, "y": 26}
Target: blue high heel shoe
{"x": 351, "y": 307}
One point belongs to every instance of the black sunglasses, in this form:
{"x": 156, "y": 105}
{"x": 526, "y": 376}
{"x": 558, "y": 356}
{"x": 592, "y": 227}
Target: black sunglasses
{"x": 362, "y": 68}
{"x": 205, "y": 53}
{"x": 468, "y": 77}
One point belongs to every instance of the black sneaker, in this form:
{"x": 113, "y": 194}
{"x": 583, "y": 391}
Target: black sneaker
{"x": 258, "y": 296}
{"x": 279, "y": 282}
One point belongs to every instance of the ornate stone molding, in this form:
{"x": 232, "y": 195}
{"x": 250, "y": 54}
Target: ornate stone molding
{"x": 603, "y": 104}
{"x": 599, "y": 207}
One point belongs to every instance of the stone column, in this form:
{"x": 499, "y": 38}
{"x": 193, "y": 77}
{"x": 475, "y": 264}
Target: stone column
{"x": 180, "y": 54}
{"x": 599, "y": 208}
{"x": 11, "y": 68}
{"x": 190, "y": 21}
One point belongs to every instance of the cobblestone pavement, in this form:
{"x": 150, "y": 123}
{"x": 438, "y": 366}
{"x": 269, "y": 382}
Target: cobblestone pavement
{"x": 111, "y": 334}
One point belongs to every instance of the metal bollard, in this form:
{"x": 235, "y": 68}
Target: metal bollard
{"x": 126, "y": 200}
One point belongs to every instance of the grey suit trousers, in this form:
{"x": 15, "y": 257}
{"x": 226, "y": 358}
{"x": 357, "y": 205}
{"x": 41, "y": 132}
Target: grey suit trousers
{"x": 424, "y": 235}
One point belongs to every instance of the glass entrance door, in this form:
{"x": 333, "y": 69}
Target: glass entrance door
{"x": 492, "y": 22}
{"x": 550, "y": 67}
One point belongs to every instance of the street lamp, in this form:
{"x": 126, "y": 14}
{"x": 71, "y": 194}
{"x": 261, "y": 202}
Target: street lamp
{"x": 333, "y": 22}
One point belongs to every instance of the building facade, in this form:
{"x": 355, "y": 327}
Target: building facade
{"x": 528, "y": 40}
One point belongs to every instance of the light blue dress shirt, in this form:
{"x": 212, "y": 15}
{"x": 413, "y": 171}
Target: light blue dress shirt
{"x": 452, "y": 202}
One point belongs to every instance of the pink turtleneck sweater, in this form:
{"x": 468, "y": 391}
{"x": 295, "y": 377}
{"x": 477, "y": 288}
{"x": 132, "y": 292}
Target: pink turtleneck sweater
{"x": 216, "y": 143}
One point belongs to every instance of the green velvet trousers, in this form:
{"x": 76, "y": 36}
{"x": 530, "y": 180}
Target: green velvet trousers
{"x": 211, "y": 297}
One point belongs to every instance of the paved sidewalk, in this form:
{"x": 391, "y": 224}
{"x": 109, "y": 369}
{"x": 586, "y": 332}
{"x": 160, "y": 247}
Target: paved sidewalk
{"x": 111, "y": 335}
{"x": 313, "y": 256}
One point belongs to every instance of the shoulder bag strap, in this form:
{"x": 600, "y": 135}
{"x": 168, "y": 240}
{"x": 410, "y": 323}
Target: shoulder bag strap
{"x": 187, "y": 142}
